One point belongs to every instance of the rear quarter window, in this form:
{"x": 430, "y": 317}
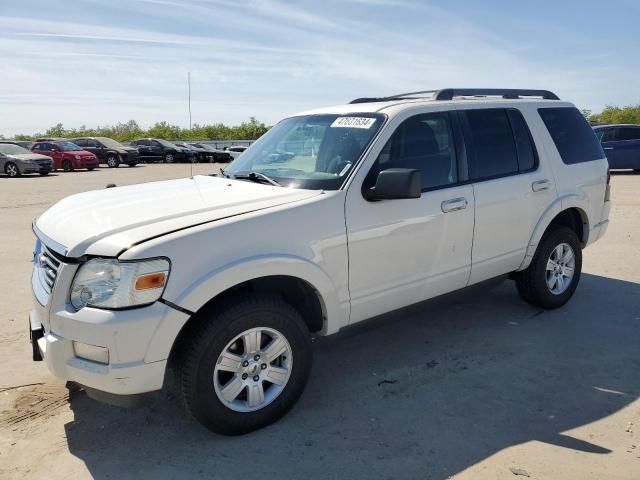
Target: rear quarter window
{"x": 574, "y": 138}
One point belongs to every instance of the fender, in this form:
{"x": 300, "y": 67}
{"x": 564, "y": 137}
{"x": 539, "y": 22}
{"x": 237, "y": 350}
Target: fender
{"x": 572, "y": 200}
{"x": 335, "y": 310}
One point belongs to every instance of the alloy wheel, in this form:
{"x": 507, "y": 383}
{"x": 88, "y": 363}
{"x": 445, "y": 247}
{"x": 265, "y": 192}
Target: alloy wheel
{"x": 12, "y": 170}
{"x": 560, "y": 268}
{"x": 253, "y": 369}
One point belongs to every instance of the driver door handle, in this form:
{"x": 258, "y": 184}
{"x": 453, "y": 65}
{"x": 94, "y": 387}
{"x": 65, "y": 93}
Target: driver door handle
{"x": 454, "y": 204}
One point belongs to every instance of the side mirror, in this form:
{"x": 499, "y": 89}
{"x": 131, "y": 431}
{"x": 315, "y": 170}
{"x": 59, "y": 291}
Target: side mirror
{"x": 395, "y": 183}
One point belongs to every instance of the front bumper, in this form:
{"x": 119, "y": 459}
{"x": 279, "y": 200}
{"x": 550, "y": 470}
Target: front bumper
{"x": 129, "y": 335}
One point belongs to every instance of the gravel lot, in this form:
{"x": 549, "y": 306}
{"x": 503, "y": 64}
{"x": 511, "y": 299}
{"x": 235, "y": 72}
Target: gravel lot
{"x": 476, "y": 384}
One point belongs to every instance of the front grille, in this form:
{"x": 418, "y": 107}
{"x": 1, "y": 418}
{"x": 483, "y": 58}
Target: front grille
{"x": 49, "y": 266}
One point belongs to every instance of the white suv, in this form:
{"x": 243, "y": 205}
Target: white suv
{"x": 334, "y": 216}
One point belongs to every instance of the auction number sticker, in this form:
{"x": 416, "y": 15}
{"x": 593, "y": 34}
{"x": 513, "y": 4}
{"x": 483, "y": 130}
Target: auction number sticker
{"x": 353, "y": 122}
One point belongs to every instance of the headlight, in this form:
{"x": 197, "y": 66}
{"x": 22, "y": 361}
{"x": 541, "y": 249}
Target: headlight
{"x": 108, "y": 283}
{"x": 78, "y": 157}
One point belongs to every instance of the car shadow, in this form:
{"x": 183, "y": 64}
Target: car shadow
{"x": 424, "y": 392}
{"x": 28, "y": 175}
{"x": 624, "y": 172}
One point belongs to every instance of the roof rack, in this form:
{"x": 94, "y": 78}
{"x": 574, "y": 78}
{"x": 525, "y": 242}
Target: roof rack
{"x": 450, "y": 93}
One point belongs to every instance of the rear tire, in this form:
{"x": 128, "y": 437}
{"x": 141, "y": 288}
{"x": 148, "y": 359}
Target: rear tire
{"x": 169, "y": 158}
{"x": 553, "y": 275}
{"x": 202, "y": 380}
{"x": 67, "y": 166}
{"x": 12, "y": 170}
{"x": 44, "y": 174}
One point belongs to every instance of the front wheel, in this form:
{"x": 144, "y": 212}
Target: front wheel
{"x": 169, "y": 158}
{"x": 554, "y": 272}
{"x": 12, "y": 170}
{"x": 245, "y": 365}
{"x": 113, "y": 161}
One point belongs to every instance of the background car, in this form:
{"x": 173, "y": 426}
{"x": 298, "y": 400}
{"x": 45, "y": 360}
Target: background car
{"x": 16, "y": 160}
{"x": 235, "y": 150}
{"x": 66, "y": 155}
{"x": 23, "y": 143}
{"x": 200, "y": 155}
{"x": 109, "y": 151}
{"x": 621, "y": 144}
{"x": 160, "y": 150}
{"x": 218, "y": 156}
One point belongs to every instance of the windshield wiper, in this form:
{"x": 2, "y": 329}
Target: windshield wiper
{"x": 256, "y": 177}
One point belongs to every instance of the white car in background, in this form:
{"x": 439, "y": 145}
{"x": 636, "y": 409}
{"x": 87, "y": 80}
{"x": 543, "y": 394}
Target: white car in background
{"x": 379, "y": 204}
{"x": 235, "y": 150}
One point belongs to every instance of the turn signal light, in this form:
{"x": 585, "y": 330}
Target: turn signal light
{"x": 150, "y": 280}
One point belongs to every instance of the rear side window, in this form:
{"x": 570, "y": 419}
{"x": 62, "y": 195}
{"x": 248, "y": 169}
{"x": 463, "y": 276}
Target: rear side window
{"x": 494, "y": 151}
{"x": 571, "y": 133}
{"x": 629, "y": 133}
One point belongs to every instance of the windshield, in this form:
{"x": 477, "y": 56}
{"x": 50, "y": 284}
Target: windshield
{"x": 108, "y": 142}
{"x": 313, "y": 151}
{"x": 11, "y": 149}
{"x": 68, "y": 146}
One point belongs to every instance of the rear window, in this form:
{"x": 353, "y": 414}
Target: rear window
{"x": 574, "y": 138}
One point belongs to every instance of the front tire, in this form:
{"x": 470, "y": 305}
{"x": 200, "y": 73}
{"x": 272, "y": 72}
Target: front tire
{"x": 113, "y": 161}
{"x": 245, "y": 364}
{"x": 169, "y": 158}
{"x": 553, "y": 275}
{"x": 12, "y": 170}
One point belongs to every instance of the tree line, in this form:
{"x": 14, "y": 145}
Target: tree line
{"x": 123, "y": 132}
{"x": 615, "y": 114}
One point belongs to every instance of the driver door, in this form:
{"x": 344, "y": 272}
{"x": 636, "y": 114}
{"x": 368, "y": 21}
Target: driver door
{"x": 404, "y": 251}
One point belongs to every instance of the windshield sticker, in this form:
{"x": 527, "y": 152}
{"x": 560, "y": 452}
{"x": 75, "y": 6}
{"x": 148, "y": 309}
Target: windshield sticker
{"x": 353, "y": 122}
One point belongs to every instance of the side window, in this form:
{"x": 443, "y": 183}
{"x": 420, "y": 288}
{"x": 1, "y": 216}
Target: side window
{"x": 608, "y": 135}
{"x": 572, "y": 135}
{"x": 36, "y": 147}
{"x": 493, "y": 147}
{"x": 424, "y": 142}
{"x": 92, "y": 143}
{"x": 527, "y": 155}
{"x": 629, "y": 133}
{"x": 155, "y": 144}
{"x": 80, "y": 142}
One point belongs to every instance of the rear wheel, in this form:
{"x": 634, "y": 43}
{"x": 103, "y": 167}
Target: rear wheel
{"x": 67, "y": 166}
{"x": 245, "y": 365}
{"x": 169, "y": 158}
{"x": 12, "y": 170}
{"x": 113, "y": 161}
{"x": 554, "y": 272}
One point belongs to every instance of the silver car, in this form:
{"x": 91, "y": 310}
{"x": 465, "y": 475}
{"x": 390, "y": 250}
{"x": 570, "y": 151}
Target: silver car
{"x": 16, "y": 161}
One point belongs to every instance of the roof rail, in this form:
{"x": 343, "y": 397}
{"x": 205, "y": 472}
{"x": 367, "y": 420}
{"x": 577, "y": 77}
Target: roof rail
{"x": 450, "y": 93}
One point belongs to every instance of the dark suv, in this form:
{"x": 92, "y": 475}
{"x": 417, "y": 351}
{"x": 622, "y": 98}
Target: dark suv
{"x": 160, "y": 150}
{"x": 621, "y": 144}
{"x": 109, "y": 151}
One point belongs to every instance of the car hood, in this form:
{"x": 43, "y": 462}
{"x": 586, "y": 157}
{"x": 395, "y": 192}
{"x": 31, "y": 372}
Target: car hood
{"x": 106, "y": 222}
{"x": 29, "y": 156}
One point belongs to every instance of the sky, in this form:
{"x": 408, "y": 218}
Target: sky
{"x": 99, "y": 62}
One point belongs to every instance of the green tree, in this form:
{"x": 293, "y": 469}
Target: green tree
{"x": 615, "y": 114}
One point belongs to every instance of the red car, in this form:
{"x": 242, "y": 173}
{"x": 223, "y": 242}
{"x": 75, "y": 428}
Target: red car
{"x": 66, "y": 155}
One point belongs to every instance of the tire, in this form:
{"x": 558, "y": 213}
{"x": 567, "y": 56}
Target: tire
{"x": 91, "y": 168}
{"x": 67, "y": 166}
{"x": 44, "y": 174}
{"x": 169, "y": 158}
{"x": 131, "y": 165}
{"x": 113, "y": 161}
{"x": 535, "y": 283}
{"x": 12, "y": 170}
{"x": 202, "y": 378}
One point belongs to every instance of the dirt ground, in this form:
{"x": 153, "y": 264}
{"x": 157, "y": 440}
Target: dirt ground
{"x": 473, "y": 385}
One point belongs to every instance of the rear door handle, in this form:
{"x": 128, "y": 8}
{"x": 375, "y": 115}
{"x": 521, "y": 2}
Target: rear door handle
{"x": 541, "y": 185}
{"x": 454, "y": 204}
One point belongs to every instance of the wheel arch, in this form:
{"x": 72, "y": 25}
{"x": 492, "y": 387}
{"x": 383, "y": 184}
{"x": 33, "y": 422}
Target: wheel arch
{"x": 568, "y": 212}
{"x": 302, "y": 284}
